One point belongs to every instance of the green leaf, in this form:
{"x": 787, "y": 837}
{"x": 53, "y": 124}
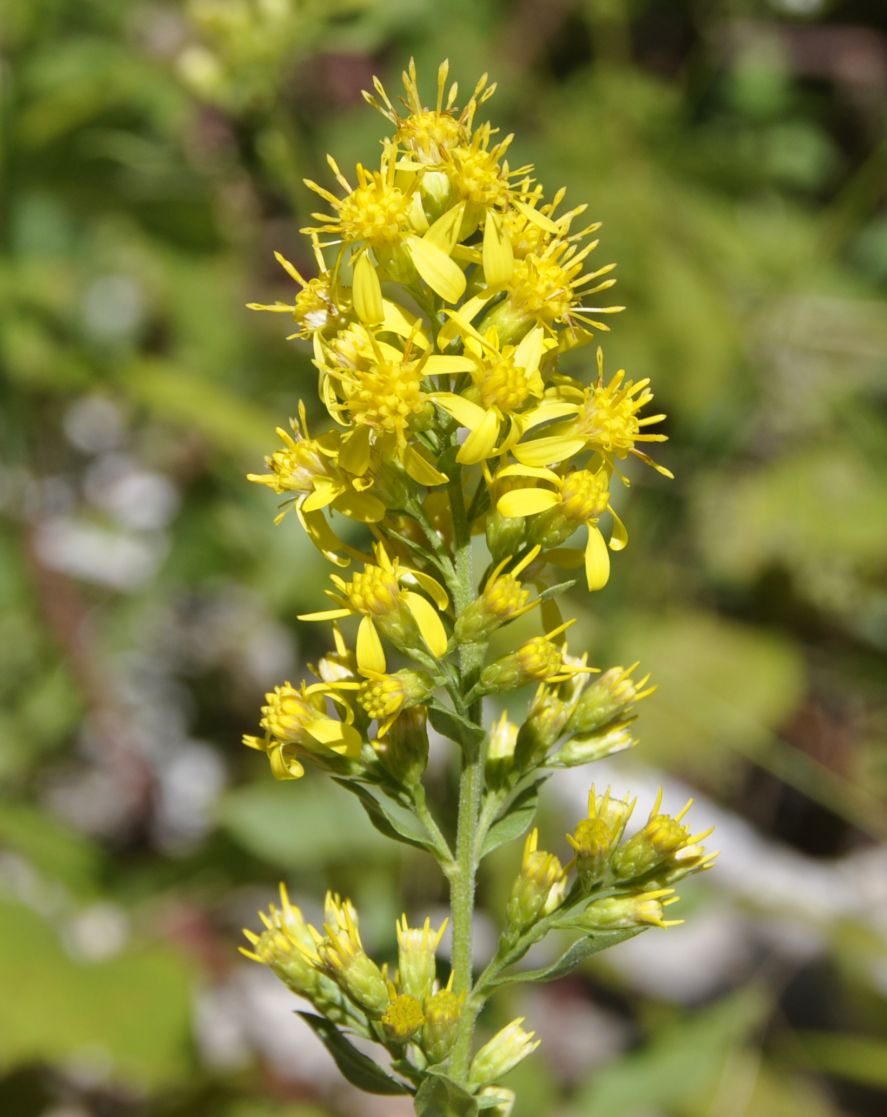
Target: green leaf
{"x": 293, "y": 827}
{"x": 580, "y": 950}
{"x": 439, "y": 1096}
{"x": 860, "y": 1059}
{"x": 678, "y": 1066}
{"x": 453, "y": 725}
{"x": 515, "y": 819}
{"x": 130, "y": 1015}
{"x": 388, "y": 818}
{"x": 54, "y": 849}
{"x": 556, "y": 591}
{"x": 358, "y": 1068}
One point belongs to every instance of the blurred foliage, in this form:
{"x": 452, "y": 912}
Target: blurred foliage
{"x": 151, "y": 156}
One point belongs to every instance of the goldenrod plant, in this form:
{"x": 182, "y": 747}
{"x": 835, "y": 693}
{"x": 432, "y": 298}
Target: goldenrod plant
{"x": 448, "y": 287}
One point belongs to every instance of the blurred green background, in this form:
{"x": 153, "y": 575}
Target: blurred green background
{"x": 152, "y": 156}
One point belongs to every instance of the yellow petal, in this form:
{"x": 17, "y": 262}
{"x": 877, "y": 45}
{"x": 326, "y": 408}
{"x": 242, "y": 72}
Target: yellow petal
{"x": 284, "y": 765}
{"x": 466, "y": 413}
{"x": 498, "y": 253}
{"x": 442, "y": 274}
{"x": 367, "y": 292}
{"x": 529, "y": 352}
{"x": 619, "y": 536}
{"x": 432, "y": 587}
{"x": 437, "y": 365}
{"x": 421, "y": 469}
{"x": 444, "y": 233}
{"x": 323, "y": 537}
{"x": 537, "y": 218}
{"x": 528, "y": 471}
{"x": 325, "y": 615}
{"x": 597, "y": 560}
{"x": 526, "y": 502}
{"x": 398, "y": 321}
{"x": 430, "y": 625}
{"x": 336, "y": 736}
{"x": 481, "y": 442}
{"x": 364, "y": 507}
{"x": 545, "y": 451}
{"x": 370, "y": 653}
{"x": 355, "y": 453}
{"x": 449, "y": 331}
{"x": 325, "y": 492}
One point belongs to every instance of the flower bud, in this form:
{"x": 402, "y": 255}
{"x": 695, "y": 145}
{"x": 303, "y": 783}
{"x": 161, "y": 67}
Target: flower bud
{"x": 502, "y": 1053}
{"x": 505, "y": 1098}
{"x": 597, "y": 836}
{"x": 416, "y": 964}
{"x": 502, "y": 600}
{"x": 443, "y": 1011}
{"x": 550, "y": 711}
{"x": 539, "y": 887}
{"x": 505, "y": 534}
{"x": 628, "y": 913}
{"x": 664, "y": 847}
{"x": 537, "y": 659}
{"x": 584, "y": 750}
{"x": 610, "y": 698}
{"x": 404, "y": 748}
{"x": 342, "y": 956}
{"x": 500, "y": 751}
{"x": 286, "y": 948}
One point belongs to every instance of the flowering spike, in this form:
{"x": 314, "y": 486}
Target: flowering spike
{"x": 448, "y": 287}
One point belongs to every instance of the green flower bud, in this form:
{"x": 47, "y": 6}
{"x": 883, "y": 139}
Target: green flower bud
{"x": 502, "y": 1053}
{"x": 505, "y": 534}
{"x": 627, "y": 913}
{"x": 500, "y": 751}
{"x": 443, "y": 1011}
{"x": 664, "y": 847}
{"x": 584, "y": 750}
{"x": 404, "y": 749}
{"x": 539, "y": 887}
{"x": 416, "y": 963}
{"x": 609, "y": 699}
{"x": 598, "y": 835}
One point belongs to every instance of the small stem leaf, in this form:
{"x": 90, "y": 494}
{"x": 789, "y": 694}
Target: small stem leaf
{"x": 388, "y": 818}
{"x": 441, "y": 1097}
{"x": 358, "y": 1068}
{"x": 580, "y": 950}
{"x": 453, "y": 725}
{"x": 556, "y": 591}
{"x": 515, "y": 819}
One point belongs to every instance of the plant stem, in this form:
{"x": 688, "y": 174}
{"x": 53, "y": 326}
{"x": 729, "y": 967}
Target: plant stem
{"x": 462, "y": 883}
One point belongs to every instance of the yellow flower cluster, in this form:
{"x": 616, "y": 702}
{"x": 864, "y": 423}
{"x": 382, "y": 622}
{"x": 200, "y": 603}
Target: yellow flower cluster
{"x": 448, "y": 291}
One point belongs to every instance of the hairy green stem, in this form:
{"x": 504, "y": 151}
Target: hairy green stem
{"x": 471, "y": 781}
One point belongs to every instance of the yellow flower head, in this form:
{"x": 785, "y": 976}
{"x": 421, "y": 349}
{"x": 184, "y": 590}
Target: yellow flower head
{"x": 297, "y": 725}
{"x": 382, "y": 594}
{"x": 319, "y": 305}
{"x": 375, "y": 212}
{"x": 427, "y": 134}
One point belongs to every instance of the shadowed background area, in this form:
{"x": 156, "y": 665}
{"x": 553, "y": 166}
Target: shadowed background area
{"x": 152, "y": 157}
